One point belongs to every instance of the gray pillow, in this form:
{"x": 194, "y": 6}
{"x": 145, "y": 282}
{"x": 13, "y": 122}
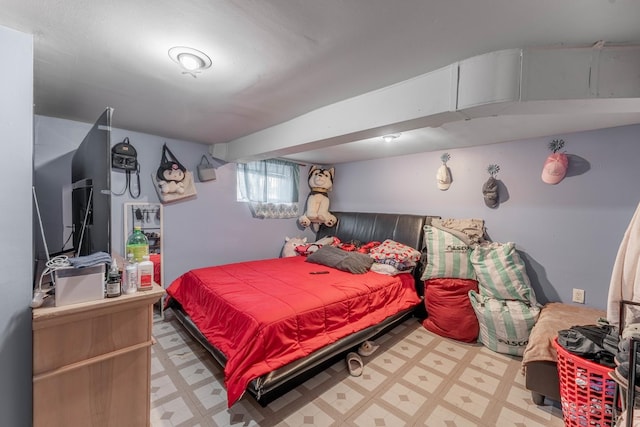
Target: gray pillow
{"x": 353, "y": 262}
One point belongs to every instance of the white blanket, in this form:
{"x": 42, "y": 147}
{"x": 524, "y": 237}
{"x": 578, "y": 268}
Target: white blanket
{"x": 625, "y": 277}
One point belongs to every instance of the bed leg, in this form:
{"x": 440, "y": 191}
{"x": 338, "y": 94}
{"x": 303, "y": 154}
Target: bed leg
{"x": 537, "y": 398}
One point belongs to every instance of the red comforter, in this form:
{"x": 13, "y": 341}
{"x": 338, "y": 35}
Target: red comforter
{"x": 265, "y": 314}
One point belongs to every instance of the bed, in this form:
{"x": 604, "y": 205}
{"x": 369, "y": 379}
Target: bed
{"x": 311, "y": 314}
{"x": 539, "y": 358}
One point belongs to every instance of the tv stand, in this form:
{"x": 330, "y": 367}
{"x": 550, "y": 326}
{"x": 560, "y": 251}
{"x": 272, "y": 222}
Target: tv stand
{"x": 92, "y": 362}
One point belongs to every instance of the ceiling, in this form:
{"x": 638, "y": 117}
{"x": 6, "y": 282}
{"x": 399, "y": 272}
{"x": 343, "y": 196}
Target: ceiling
{"x": 277, "y": 60}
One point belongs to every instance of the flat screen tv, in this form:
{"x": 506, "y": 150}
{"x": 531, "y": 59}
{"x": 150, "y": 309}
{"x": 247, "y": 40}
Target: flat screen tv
{"x": 91, "y": 189}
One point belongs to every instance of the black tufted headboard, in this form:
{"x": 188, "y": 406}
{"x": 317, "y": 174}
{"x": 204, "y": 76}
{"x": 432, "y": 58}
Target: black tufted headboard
{"x": 367, "y": 227}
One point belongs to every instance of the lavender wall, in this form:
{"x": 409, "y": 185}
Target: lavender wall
{"x": 569, "y": 233}
{"x": 16, "y": 249}
{"x": 210, "y": 229}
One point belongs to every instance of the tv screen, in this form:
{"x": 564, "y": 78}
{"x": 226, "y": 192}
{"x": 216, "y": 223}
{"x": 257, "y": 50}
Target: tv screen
{"x": 91, "y": 189}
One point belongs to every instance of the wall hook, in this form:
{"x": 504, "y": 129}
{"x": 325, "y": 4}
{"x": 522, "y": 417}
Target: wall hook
{"x": 445, "y": 158}
{"x": 556, "y": 145}
{"x": 493, "y": 170}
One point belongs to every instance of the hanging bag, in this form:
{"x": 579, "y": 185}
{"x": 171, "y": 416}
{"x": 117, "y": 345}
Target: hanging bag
{"x": 172, "y": 180}
{"x": 206, "y": 171}
{"x": 170, "y": 168}
{"x": 124, "y": 156}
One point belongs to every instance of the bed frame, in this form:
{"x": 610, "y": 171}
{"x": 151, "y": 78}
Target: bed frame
{"x": 542, "y": 380}
{"x": 363, "y": 227}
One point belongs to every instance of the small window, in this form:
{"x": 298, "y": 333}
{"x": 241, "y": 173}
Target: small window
{"x": 270, "y": 186}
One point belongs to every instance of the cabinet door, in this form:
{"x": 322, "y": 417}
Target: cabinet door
{"x": 113, "y": 392}
{"x": 92, "y": 366}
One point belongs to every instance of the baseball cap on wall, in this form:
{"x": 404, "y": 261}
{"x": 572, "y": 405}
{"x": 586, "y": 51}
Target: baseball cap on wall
{"x": 555, "y": 168}
{"x": 444, "y": 177}
{"x": 490, "y": 192}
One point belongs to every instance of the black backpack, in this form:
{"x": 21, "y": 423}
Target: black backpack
{"x": 124, "y": 156}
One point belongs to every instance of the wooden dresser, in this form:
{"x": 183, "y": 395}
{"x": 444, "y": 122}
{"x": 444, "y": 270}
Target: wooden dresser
{"x": 92, "y": 362}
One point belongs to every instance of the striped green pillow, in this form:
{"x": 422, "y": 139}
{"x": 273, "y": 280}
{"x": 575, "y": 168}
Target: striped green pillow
{"x": 447, "y": 256}
{"x": 505, "y": 325}
{"x": 501, "y": 273}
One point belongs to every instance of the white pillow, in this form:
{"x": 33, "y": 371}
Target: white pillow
{"x": 386, "y": 269}
{"x": 390, "y": 249}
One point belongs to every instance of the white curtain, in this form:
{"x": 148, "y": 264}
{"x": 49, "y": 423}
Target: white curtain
{"x": 270, "y": 187}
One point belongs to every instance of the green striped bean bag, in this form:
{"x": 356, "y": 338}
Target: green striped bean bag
{"x": 501, "y": 273}
{"x": 505, "y": 325}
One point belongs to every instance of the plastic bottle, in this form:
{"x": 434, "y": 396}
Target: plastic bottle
{"x": 113, "y": 281}
{"x": 130, "y": 284}
{"x": 137, "y": 244}
{"x": 145, "y": 274}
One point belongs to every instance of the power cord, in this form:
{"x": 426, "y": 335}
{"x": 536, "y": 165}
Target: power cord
{"x": 55, "y": 263}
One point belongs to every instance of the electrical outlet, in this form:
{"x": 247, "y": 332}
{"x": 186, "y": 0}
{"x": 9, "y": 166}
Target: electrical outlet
{"x": 578, "y": 296}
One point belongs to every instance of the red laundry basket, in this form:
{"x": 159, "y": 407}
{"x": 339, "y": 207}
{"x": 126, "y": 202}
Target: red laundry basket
{"x": 587, "y": 393}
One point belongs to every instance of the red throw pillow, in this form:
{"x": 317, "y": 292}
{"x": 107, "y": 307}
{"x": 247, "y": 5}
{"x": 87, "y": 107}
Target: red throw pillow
{"x": 366, "y": 248}
{"x": 449, "y": 310}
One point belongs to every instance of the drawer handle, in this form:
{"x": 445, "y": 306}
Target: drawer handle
{"x": 91, "y": 361}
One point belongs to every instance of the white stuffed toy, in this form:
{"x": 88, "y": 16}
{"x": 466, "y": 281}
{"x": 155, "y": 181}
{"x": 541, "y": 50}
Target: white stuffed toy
{"x": 320, "y": 182}
{"x": 171, "y": 187}
{"x": 290, "y": 245}
{"x": 298, "y": 246}
{"x": 171, "y": 180}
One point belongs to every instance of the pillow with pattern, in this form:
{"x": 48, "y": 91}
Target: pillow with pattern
{"x": 392, "y": 252}
{"x": 447, "y": 256}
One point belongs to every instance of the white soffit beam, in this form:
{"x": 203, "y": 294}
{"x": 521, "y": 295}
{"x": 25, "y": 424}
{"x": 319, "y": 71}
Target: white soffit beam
{"x": 423, "y": 101}
{"x": 510, "y": 82}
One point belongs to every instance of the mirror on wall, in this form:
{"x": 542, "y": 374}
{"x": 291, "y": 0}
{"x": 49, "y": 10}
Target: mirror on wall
{"x": 149, "y": 217}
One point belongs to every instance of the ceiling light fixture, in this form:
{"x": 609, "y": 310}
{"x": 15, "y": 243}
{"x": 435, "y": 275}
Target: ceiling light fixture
{"x": 192, "y": 61}
{"x": 390, "y": 137}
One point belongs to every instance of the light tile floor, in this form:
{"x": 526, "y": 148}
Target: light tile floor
{"x": 415, "y": 378}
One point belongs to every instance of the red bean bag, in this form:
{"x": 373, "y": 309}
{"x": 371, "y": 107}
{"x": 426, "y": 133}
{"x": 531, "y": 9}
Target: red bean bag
{"x": 449, "y": 310}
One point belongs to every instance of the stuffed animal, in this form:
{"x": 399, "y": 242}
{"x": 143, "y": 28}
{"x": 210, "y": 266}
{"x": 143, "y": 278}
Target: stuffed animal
{"x": 309, "y": 248}
{"x": 171, "y": 180}
{"x": 290, "y": 244}
{"x": 320, "y": 182}
{"x": 171, "y": 187}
